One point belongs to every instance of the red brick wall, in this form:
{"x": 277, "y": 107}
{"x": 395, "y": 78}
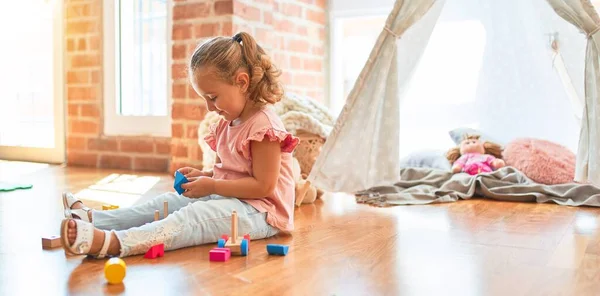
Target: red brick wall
{"x": 86, "y": 144}
{"x": 292, "y": 31}
{"x": 193, "y": 21}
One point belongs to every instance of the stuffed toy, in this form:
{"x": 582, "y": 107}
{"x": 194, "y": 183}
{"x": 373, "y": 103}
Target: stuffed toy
{"x": 305, "y": 192}
{"x": 472, "y": 156}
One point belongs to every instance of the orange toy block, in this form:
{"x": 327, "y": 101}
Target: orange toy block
{"x": 155, "y": 251}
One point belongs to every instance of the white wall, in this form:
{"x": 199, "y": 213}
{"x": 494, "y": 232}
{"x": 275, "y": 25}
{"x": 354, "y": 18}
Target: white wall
{"x": 359, "y": 7}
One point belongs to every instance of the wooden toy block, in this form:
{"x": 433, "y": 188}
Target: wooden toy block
{"x": 165, "y": 209}
{"x": 179, "y": 179}
{"x": 274, "y": 249}
{"x": 219, "y": 254}
{"x": 109, "y": 207}
{"x": 115, "y": 270}
{"x": 155, "y": 251}
{"x": 156, "y": 215}
{"x": 238, "y": 245}
{"x": 51, "y": 242}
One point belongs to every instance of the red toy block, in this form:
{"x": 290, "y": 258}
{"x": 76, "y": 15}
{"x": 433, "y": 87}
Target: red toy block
{"x": 219, "y": 254}
{"x": 225, "y": 237}
{"x": 155, "y": 251}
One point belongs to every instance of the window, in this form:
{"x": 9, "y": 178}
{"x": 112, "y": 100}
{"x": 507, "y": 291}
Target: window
{"x": 353, "y": 40}
{"x": 31, "y": 80}
{"x": 137, "y": 62}
{"x": 355, "y": 26}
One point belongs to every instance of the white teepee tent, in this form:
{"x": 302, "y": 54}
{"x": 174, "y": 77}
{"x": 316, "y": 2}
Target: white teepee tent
{"x": 362, "y": 150}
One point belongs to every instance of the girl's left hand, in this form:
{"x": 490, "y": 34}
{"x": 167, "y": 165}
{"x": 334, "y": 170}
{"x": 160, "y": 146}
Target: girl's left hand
{"x": 198, "y": 187}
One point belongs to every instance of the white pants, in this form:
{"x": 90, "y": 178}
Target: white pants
{"x": 191, "y": 222}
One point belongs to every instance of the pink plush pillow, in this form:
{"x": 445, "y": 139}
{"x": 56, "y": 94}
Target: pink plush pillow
{"x": 542, "y": 161}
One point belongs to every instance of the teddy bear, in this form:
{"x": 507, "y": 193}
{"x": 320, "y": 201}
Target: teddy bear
{"x": 305, "y": 193}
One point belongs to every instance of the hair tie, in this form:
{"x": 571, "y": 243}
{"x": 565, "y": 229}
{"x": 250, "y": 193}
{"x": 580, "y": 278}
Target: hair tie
{"x": 237, "y": 38}
{"x": 391, "y": 32}
{"x": 594, "y": 31}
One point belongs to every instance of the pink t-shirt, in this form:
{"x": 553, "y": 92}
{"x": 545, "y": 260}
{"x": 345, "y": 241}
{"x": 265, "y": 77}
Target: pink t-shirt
{"x": 232, "y": 144}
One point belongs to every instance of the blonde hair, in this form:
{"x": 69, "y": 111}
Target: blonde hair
{"x": 228, "y": 54}
{"x": 490, "y": 148}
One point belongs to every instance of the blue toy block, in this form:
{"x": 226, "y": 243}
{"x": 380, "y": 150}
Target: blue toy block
{"x": 244, "y": 247}
{"x": 179, "y": 179}
{"x": 274, "y": 249}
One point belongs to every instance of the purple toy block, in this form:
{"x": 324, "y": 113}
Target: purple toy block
{"x": 219, "y": 254}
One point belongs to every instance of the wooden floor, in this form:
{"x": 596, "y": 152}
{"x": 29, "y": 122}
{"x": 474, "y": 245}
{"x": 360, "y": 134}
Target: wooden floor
{"x": 475, "y": 247}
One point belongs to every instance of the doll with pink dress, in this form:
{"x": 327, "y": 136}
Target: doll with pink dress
{"x": 473, "y": 156}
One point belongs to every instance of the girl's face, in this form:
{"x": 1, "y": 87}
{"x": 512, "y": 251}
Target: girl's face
{"x": 222, "y": 97}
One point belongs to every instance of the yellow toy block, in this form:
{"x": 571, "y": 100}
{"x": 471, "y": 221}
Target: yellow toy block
{"x": 114, "y": 270}
{"x": 109, "y": 207}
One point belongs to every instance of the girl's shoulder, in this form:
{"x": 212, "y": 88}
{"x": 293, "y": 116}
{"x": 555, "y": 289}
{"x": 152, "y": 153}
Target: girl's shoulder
{"x": 262, "y": 119}
{"x": 267, "y": 124}
{"x": 266, "y": 117}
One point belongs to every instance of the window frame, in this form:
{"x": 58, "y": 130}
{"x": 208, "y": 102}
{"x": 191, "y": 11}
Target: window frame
{"x": 116, "y": 124}
{"x": 341, "y": 10}
{"x": 56, "y": 154}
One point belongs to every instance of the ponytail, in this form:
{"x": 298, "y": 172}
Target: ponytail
{"x": 264, "y": 76}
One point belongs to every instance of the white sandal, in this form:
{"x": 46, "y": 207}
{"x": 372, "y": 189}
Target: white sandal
{"x": 68, "y": 201}
{"x": 83, "y": 240}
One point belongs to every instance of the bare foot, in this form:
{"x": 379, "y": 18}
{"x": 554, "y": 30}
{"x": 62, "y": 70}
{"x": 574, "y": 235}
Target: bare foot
{"x": 113, "y": 249}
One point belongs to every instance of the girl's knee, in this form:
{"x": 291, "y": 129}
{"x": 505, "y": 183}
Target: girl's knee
{"x": 265, "y": 232}
{"x": 256, "y": 225}
{"x": 168, "y": 196}
{"x": 172, "y": 199}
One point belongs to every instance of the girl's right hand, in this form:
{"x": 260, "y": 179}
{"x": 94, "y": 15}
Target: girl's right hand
{"x": 189, "y": 172}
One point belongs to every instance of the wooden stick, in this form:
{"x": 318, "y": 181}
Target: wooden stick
{"x": 166, "y": 209}
{"x": 156, "y": 215}
{"x": 234, "y": 221}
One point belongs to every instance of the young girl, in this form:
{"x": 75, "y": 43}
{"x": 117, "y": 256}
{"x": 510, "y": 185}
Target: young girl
{"x": 253, "y": 174}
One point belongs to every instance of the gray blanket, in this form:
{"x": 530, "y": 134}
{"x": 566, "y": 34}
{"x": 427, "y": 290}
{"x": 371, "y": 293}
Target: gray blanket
{"x": 425, "y": 185}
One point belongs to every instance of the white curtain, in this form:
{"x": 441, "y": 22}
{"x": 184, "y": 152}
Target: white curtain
{"x": 362, "y": 149}
{"x": 582, "y": 15}
{"x": 489, "y": 65}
